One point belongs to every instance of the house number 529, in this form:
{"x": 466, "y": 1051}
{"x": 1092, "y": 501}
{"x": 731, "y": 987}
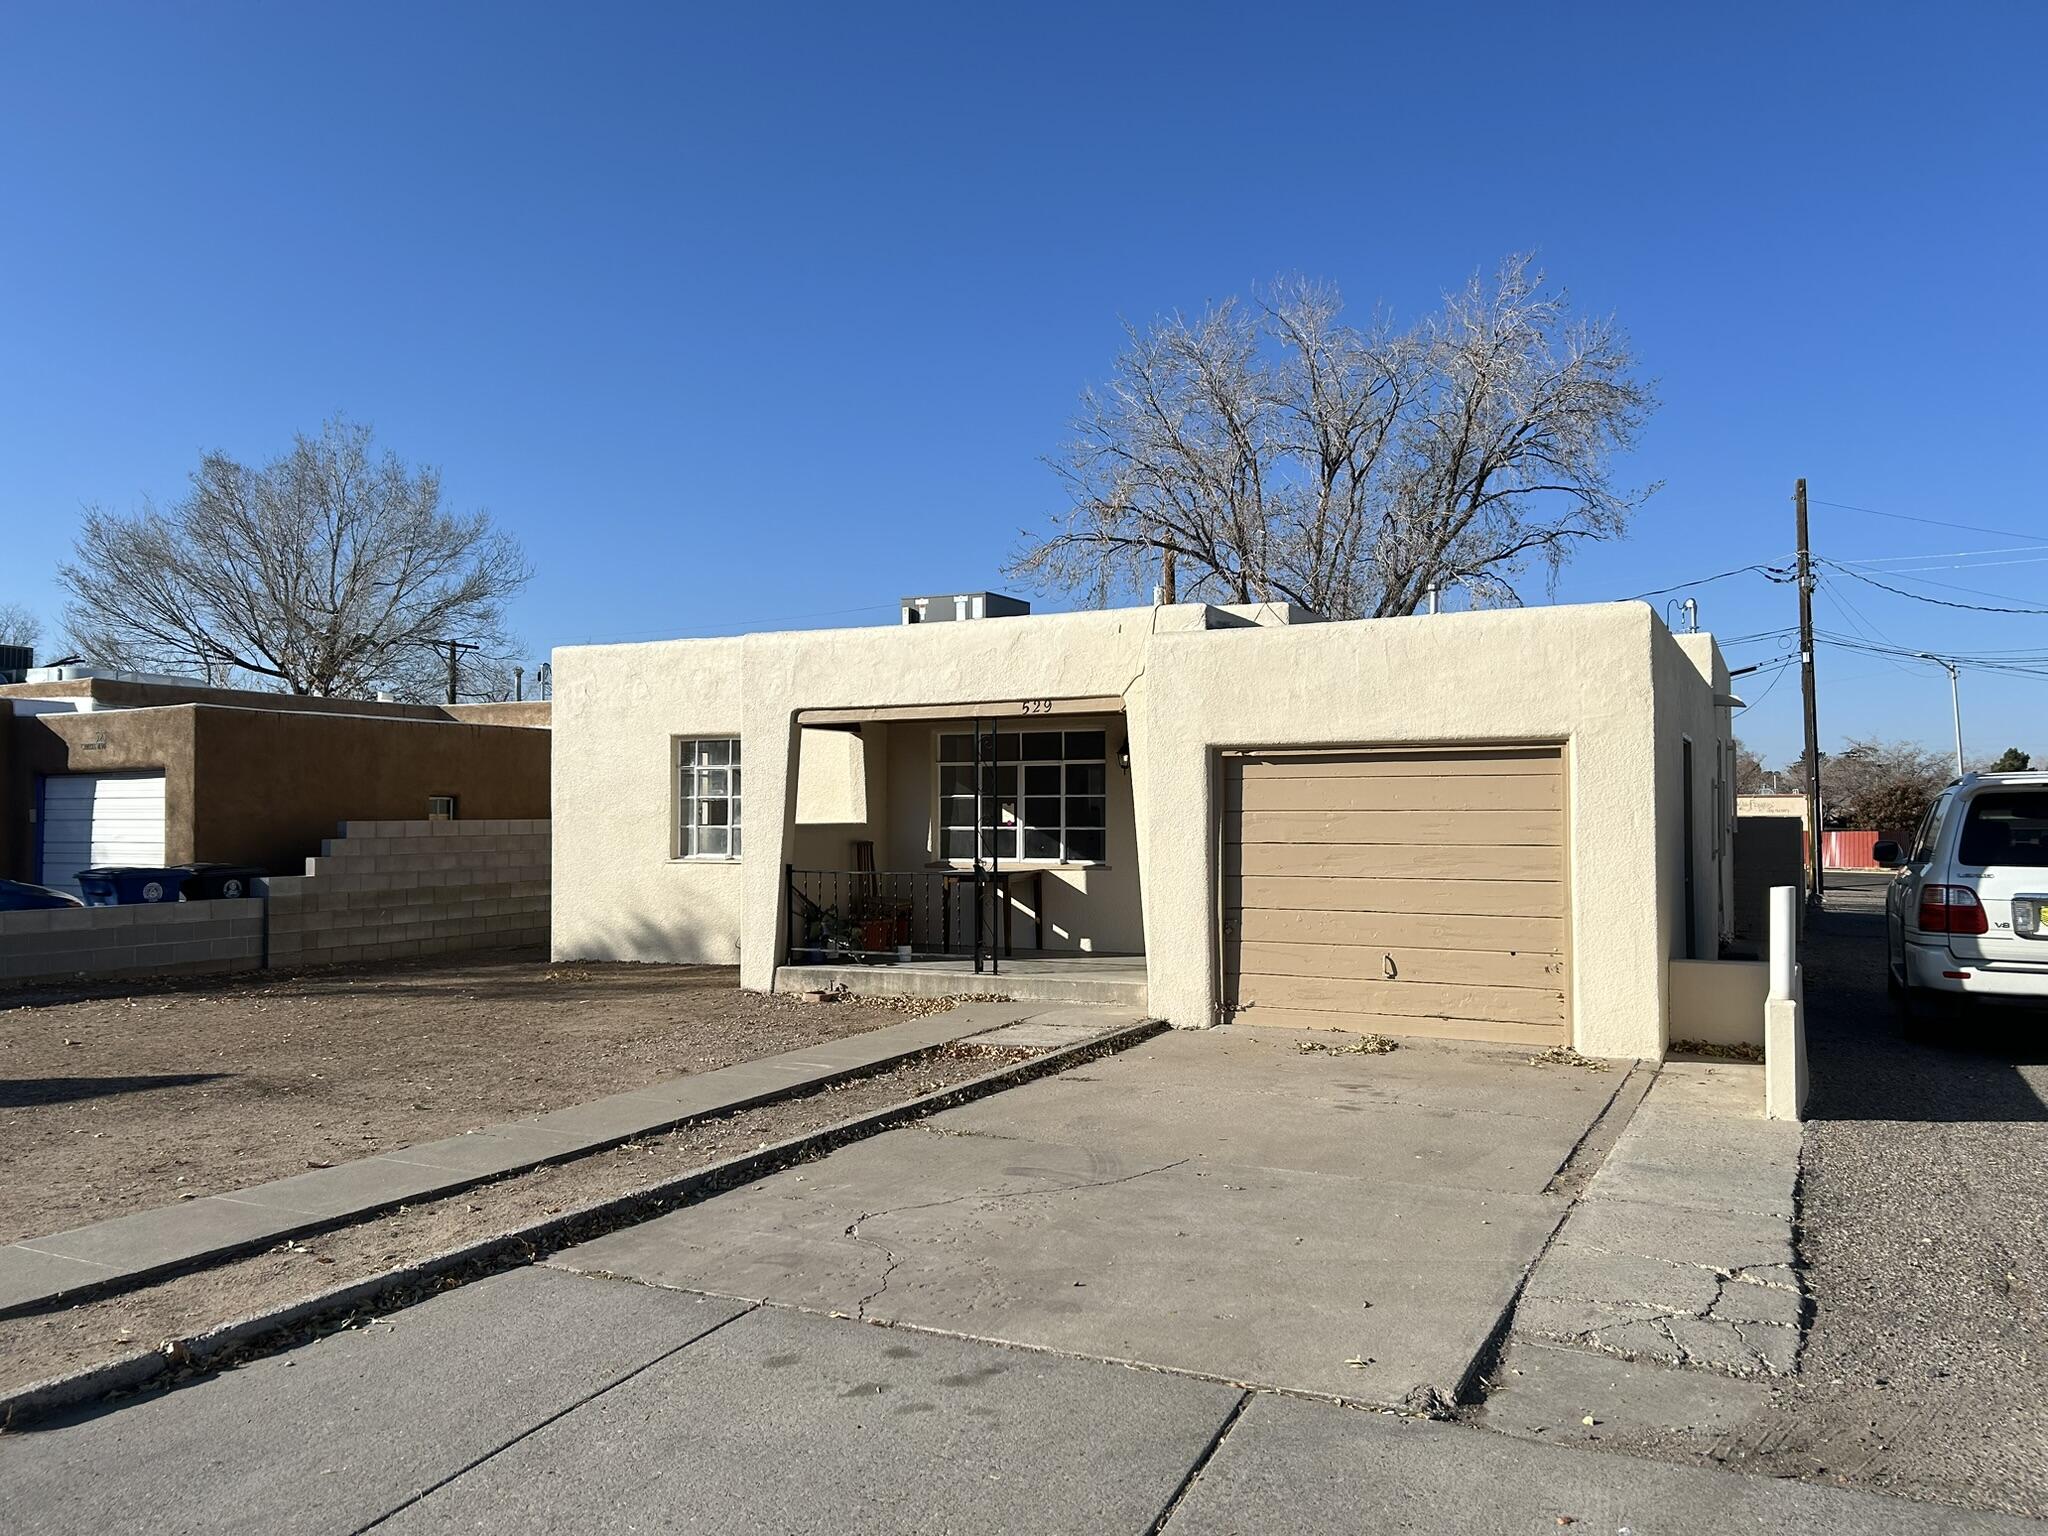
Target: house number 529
{"x": 1037, "y": 706}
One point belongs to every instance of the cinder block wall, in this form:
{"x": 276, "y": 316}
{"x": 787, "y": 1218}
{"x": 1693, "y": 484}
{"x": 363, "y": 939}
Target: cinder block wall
{"x": 386, "y": 889}
{"x": 165, "y": 939}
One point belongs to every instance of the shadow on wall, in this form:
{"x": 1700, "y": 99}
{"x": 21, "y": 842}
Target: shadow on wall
{"x": 637, "y": 937}
{"x": 1864, "y": 1069}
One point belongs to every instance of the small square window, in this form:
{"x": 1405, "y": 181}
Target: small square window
{"x": 440, "y": 807}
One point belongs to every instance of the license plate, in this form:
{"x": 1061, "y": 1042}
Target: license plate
{"x": 2026, "y": 916}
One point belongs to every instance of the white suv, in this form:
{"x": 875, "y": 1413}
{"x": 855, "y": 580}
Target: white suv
{"x": 1968, "y": 914}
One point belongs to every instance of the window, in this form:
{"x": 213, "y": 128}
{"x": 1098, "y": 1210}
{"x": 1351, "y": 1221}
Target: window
{"x": 2008, "y": 828}
{"x": 708, "y": 798}
{"x": 1044, "y": 794}
{"x": 1930, "y": 830}
{"x": 440, "y": 807}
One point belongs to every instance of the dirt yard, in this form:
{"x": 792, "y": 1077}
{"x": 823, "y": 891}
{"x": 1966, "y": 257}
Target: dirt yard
{"x": 126, "y": 1100}
{"x": 43, "y": 1345}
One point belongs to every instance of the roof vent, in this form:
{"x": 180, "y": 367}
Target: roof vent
{"x": 953, "y": 606}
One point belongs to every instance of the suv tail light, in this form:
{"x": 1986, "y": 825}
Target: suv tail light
{"x": 1951, "y": 909}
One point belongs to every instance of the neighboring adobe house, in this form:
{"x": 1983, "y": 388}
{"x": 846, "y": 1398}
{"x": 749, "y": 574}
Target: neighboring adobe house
{"x": 1497, "y": 825}
{"x": 120, "y": 770}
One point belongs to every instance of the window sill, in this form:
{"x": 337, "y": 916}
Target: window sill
{"x": 703, "y": 861}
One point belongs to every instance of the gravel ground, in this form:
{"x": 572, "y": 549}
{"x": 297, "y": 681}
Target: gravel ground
{"x": 50, "y": 1344}
{"x": 127, "y": 1099}
{"x": 1923, "y": 1228}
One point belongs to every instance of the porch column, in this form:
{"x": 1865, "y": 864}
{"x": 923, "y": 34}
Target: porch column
{"x": 769, "y": 746}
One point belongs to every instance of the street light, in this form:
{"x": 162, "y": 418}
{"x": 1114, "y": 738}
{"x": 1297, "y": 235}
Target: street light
{"x": 1955, "y": 703}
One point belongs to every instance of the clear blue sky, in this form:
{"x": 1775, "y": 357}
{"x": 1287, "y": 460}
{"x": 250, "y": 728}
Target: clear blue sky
{"x": 750, "y": 316}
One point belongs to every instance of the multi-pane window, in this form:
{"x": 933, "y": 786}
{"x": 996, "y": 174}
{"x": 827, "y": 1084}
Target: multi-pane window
{"x": 708, "y": 798}
{"x": 1042, "y": 796}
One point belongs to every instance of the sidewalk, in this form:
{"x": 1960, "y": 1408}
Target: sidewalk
{"x": 543, "y": 1401}
{"x": 1681, "y": 1250}
{"x": 36, "y": 1272}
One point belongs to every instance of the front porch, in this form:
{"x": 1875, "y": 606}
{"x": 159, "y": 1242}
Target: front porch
{"x": 923, "y": 841}
{"x": 1029, "y": 976}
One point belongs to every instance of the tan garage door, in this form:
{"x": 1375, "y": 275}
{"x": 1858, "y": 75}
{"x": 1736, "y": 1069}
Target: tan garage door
{"x": 1418, "y": 891}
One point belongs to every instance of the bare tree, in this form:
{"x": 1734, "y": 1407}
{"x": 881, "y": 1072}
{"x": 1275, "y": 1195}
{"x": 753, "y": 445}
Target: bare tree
{"x": 1882, "y": 785}
{"x": 18, "y": 626}
{"x": 1751, "y": 776}
{"x": 1274, "y": 452}
{"x": 328, "y": 571}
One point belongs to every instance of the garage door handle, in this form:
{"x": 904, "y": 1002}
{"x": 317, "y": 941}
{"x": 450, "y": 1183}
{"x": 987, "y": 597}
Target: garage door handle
{"x": 1392, "y": 969}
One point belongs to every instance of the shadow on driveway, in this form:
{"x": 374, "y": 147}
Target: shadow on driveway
{"x": 1994, "y": 1067}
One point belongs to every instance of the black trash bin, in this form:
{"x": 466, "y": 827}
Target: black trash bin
{"x": 111, "y": 887}
{"x": 221, "y": 882}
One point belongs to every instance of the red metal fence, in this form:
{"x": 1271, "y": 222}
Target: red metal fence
{"x": 1852, "y": 850}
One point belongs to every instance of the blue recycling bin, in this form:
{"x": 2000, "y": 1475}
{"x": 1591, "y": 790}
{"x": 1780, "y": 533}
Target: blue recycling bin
{"x": 109, "y": 887}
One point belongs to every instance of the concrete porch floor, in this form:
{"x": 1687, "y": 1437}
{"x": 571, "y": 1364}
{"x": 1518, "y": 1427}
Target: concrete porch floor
{"x": 1030, "y": 976}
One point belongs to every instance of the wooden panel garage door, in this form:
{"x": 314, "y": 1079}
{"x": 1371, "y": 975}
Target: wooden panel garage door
{"x": 1419, "y": 891}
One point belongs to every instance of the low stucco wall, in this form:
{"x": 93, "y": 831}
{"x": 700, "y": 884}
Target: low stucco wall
{"x": 1719, "y": 1001}
{"x": 1785, "y": 1082}
{"x": 166, "y": 939}
{"x": 1604, "y": 682}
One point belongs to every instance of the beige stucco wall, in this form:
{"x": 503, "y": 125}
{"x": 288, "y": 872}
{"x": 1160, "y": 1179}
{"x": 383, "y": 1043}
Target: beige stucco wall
{"x": 1607, "y": 683}
{"x": 1580, "y": 677}
{"x": 619, "y": 892}
{"x": 1719, "y": 1001}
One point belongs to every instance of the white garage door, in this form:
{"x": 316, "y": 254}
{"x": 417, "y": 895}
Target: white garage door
{"x": 1417, "y": 891}
{"x": 91, "y": 819}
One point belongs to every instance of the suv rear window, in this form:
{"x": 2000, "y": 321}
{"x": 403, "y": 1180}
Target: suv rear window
{"x": 2006, "y": 827}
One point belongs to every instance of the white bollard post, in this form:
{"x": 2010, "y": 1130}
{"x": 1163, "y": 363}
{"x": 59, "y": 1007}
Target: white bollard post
{"x": 1784, "y": 939}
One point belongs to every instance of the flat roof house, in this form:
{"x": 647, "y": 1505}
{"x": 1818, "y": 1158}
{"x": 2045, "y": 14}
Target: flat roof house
{"x": 119, "y": 769}
{"x": 1496, "y": 825}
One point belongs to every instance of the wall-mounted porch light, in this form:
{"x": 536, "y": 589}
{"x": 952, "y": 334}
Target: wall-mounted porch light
{"x": 1123, "y": 755}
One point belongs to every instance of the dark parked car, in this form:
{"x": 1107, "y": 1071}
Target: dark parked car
{"x": 20, "y": 896}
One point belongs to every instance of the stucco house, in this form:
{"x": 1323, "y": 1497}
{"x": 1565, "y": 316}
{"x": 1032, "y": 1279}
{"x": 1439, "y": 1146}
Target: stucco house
{"x": 1495, "y": 825}
{"x": 116, "y": 768}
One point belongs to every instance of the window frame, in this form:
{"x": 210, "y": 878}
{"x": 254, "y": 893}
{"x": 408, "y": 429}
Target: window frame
{"x": 689, "y": 764}
{"x": 1015, "y": 832}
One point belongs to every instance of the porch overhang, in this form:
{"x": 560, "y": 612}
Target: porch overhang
{"x": 996, "y": 709}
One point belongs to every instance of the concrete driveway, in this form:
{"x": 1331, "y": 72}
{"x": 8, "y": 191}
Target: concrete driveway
{"x": 1221, "y": 1203}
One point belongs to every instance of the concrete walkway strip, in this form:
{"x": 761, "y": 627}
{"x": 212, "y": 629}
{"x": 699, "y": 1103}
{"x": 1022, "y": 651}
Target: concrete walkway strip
{"x": 333, "y": 1436}
{"x": 1289, "y": 1465}
{"x": 1681, "y": 1250}
{"x": 37, "y": 1272}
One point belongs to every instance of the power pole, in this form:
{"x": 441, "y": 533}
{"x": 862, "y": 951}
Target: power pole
{"x": 1813, "y": 836}
{"x": 455, "y": 650}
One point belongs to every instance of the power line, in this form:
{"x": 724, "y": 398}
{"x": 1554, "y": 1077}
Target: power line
{"x": 1942, "y": 602}
{"x": 1971, "y": 555}
{"x": 1936, "y": 522}
{"x": 1773, "y": 572}
{"x": 1783, "y": 668}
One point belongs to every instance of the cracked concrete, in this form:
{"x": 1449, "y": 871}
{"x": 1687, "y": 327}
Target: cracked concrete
{"x": 1215, "y": 1202}
{"x": 1681, "y": 1251}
